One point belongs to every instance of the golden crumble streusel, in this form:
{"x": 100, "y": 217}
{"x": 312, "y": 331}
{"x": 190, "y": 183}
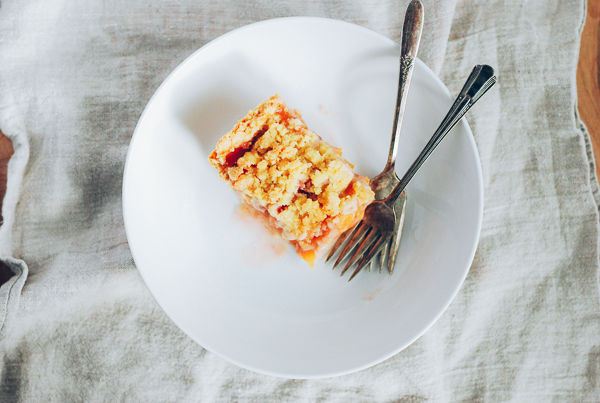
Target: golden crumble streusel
{"x": 281, "y": 168}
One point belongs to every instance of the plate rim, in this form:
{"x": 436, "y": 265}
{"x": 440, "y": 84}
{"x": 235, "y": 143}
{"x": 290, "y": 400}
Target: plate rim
{"x": 431, "y": 75}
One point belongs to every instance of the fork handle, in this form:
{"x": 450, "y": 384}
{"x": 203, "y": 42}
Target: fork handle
{"x": 411, "y": 37}
{"x": 482, "y": 78}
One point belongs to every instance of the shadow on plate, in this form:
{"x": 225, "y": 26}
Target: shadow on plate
{"x": 214, "y": 106}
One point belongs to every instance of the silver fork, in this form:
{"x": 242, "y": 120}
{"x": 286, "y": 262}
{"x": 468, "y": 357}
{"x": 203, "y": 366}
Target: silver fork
{"x": 383, "y": 183}
{"x": 377, "y": 226}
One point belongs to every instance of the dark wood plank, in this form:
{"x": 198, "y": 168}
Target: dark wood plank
{"x": 5, "y": 273}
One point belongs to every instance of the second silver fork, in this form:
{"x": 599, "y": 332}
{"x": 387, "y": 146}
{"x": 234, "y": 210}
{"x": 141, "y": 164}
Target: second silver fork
{"x": 376, "y": 227}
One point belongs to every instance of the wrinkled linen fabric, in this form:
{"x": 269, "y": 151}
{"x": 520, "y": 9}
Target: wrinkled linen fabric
{"x": 78, "y": 324}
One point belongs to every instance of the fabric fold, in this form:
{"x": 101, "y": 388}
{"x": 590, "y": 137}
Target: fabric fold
{"x": 10, "y": 292}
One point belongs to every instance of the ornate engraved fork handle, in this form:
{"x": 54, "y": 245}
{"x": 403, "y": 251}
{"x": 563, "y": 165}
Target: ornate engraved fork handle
{"x": 411, "y": 36}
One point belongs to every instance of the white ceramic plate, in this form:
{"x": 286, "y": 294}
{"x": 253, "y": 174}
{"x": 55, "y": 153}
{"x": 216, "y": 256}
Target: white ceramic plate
{"x": 247, "y": 297}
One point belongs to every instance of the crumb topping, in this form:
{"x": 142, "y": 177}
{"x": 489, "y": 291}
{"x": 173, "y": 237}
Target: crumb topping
{"x": 278, "y": 165}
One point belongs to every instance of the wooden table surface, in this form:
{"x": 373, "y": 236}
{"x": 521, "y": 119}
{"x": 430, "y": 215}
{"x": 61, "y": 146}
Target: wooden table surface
{"x": 588, "y": 93}
{"x": 588, "y": 77}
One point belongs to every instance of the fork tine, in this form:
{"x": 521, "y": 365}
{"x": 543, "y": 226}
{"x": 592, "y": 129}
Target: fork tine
{"x": 393, "y": 250}
{"x": 339, "y": 242}
{"x": 383, "y": 253}
{"x": 372, "y": 251}
{"x": 360, "y": 249}
{"x": 357, "y": 234}
{"x": 369, "y": 254}
{"x": 395, "y": 241}
{"x": 379, "y": 258}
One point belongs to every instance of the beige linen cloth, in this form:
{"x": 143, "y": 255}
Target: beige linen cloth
{"x": 78, "y": 323}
